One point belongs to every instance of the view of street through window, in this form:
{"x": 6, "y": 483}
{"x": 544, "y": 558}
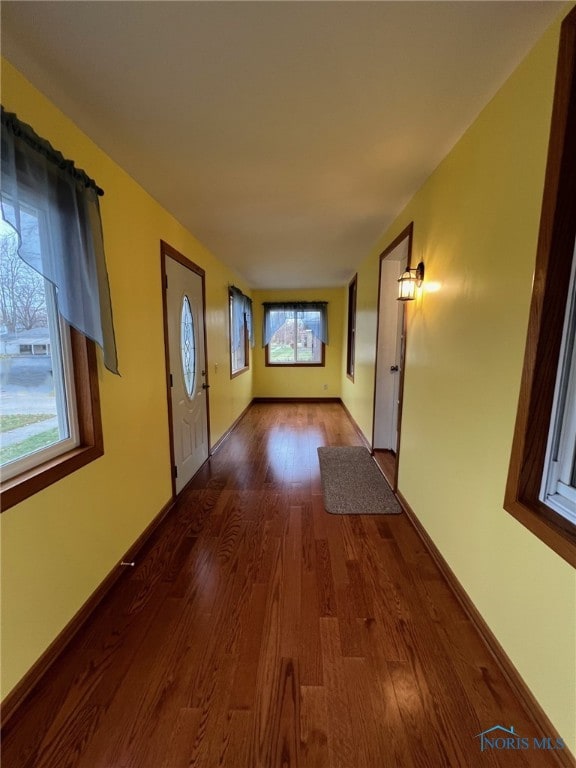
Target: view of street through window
{"x": 28, "y": 407}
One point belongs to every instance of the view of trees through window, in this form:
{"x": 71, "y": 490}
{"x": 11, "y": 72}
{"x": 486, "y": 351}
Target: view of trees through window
{"x": 33, "y": 411}
{"x": 294, "y": 342}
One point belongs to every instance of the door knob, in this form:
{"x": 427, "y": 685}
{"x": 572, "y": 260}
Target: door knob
{"x": 393, "y": 368}
{"x": 205, "y": 386}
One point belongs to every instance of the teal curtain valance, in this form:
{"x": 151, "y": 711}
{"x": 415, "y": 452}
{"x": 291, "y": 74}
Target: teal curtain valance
{"x": 241, "y": 308}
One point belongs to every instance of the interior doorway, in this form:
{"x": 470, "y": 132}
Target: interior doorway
{"x": 186, "y": 369}
{"x": 390, "y": 355}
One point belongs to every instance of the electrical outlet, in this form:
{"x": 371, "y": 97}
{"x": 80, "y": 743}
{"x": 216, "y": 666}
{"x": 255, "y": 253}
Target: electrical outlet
{"x": 325, "y": 386}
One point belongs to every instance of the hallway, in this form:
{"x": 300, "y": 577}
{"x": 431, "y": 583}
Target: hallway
{"x": 258, "y": 631}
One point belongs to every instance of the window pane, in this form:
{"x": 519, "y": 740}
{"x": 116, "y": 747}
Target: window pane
{"x": 188, "y": 346}
{"x": 308, "y": 345}
{"x": 238, "y": 337}
{"x": 239, "y": 359}
{"x": 33, "y": 400}
{"x": 282, "y": 342}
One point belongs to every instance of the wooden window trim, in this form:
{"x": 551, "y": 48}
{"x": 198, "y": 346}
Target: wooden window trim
{"x": 321, "y": 364}
{"x": 549, "y": 297}
{"x": 351, "y": 337}
{"x": 91, "y": 446}
{"x": 239, "y": 372}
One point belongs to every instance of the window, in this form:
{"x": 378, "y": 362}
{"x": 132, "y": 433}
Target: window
{"x": 351, "y": 338}
{"x": 295, "y": 334}
{"x": 188, "y": 346}
{"x": 559, "y": 479}
{"x": 240, "y": 331}
{"x": 53, "y": 280}
{"x": 540, "y": 487}
{"x": 38, "y": 411}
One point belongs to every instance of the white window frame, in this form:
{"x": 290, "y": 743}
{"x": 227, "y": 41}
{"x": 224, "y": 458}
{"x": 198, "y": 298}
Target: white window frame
{"x": 66, "y": 406}
{"x": 558, "y": 491}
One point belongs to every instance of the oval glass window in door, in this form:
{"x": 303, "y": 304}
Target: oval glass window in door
{"x": 188, "y": 346}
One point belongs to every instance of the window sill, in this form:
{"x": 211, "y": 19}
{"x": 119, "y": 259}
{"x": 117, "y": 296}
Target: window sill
{"x": 550, "y": 527}
{"x": 22, "y": 486}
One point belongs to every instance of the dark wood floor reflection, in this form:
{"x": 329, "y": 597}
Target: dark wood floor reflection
{"x": 386, "y": 460}
{"x": 258, "y": 631}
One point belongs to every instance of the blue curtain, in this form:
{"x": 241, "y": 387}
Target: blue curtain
{"x": 38, "y": 179}
{"x": 241, "y": 307}
{"x": 313, "y": 314}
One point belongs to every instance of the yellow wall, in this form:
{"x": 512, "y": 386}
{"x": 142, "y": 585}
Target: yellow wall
{"x": 60, "y": 544}
{"x": 301, "y": 382}
{"x": 475, "y": 226}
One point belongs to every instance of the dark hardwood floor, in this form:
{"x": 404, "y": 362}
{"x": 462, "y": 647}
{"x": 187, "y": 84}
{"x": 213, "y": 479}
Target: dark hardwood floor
{"x": 258, "y": 631}
{"x": 386, "y": 460}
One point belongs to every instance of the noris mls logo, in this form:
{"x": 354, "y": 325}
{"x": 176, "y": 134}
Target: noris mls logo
{"x": 499, "y": 737}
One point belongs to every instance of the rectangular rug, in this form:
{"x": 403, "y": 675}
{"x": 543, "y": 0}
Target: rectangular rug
{"x": 353, "y": 484}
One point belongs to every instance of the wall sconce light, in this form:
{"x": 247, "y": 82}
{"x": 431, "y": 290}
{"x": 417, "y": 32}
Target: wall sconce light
{"x": 408, "y": 281}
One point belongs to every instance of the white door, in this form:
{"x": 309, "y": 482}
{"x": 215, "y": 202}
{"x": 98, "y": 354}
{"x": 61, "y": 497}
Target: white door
{"x": 390, "y": 351}
{"x": 389, "y": 358}
{"x": 187, "y": 363}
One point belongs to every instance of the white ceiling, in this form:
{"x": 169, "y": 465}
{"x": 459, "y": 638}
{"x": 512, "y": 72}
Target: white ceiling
{"x": 285, "y": 135}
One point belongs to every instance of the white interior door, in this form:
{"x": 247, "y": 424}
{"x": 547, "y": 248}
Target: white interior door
{"x": 389, "y": 352}
{"x": 187, "y": 361}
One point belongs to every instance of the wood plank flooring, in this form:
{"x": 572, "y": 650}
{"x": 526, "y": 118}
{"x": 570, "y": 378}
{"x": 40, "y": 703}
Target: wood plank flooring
{"x": 258, "y": 631}
{"x": 386, "y": 460}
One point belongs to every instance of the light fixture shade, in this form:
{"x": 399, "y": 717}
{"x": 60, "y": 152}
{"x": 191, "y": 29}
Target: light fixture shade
{"x": 406, "y": 286}
{"x": 408, "y": 281}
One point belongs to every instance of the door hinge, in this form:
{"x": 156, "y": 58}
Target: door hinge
{"x": 165, "y": 282}
{"x": 175, "y": 471}
{"x": 171, "y": 381}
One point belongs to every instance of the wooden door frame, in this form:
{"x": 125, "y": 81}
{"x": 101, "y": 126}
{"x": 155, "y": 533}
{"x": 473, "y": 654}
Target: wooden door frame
{"x": 167, "y": 251}
{"x": 406, "y": 233}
